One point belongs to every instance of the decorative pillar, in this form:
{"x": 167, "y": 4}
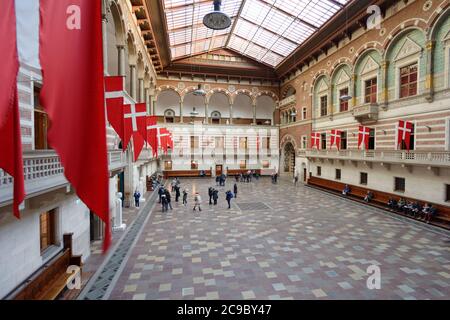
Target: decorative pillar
{"x": 353, "y": 90}
{"x": 231, "y": 113}
{"x": 121, "y": 60}
{"x": 133, "y": 81}
{"x": 141, "y": 94}
{"x": 105, "y": 42}
{"x": 206, "y": 113}
{"x": 147, "y": 99}
{"x": 254, "y": 112}
{"x": 429, "y": 83}
{"x": 330, "y": 94}
{"x": 181, "y": 111}
{"x": 384, "y": 84}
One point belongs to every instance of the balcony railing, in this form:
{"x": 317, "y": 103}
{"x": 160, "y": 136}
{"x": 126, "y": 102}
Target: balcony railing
{"x": 287, "y": 101}
{"x": 367, "y": 112}
{"x": 43, "y": 171}
{"x": 431, "y": 158}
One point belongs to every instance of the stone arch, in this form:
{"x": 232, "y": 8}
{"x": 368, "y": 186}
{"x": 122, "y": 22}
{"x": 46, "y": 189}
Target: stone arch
{"x": 268, "y": 93}
{"x": 288, "y": 90}
{"x": 373, "y": 45}
{"x": 189, "y": 90}
{"x": 115, "y": 33}
{"x": 166, "y": 97}
{"x": 219, "y": 90}
{"x": 438, "y": 16}
{"x": 396, "y": 35}
{"x": 219, "y": 100}
{"x": 244, "y": 92}
{"x": 288, "y": 154}
{"x": 363, "y": 54}
{"x": 266, "y": 105}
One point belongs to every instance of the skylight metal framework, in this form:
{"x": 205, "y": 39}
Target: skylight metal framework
{"x": 264, "y": 30}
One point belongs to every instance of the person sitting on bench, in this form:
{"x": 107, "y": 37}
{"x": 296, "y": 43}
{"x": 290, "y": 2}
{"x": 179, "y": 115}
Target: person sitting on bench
{"x": 401, "y": 203}
{"x": 415, "y": 209}
{"x": 392, "y": 203}
{"x": 432, "y": 212}
{"x": 369, "y": 196}
{"x": 346, "y": 190}
{"x": 425, "y": 210}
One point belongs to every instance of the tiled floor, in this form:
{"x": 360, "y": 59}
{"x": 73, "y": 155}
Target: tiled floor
{"x": 285, "y": 243}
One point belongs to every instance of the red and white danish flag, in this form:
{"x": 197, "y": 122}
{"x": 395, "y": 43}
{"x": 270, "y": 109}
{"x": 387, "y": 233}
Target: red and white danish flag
{"x": 152, "y": 134}
{"x": 363, "y": 136}
{"x": 335, "y": 138}
{"x": 63, "y": 40}
{"x": 404, "y": 133}
{"x": 135, "y": 125}
{"x": 315, "y": 140}
{"x": 165, "y": 140}
{"x": 114, "y": 95}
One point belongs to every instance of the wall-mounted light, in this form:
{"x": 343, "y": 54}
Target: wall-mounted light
{"x": 345, "y": 97}
{"x": 429, "y": 128}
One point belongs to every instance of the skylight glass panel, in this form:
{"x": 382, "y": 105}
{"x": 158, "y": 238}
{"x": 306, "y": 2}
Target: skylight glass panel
{"x": 264, "y": 38}
{"x": 237, "y": 43}
{"x": 317, "y": 12}
{"x": 180, "y": 17}
{"x": 255, "y": 51}
{"x": 277, "y": 21}
{"x": 245, "y": 29}
{"x": 255, "y": 11}
{"x": 181, "y": 36}
{"x": 298, "y": 32}
{"x": 272, "y": 58}
{"x": 200, "y": 46}
{"x": 283, "y": 47}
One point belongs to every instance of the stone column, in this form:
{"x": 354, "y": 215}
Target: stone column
{"x": 121, "y": 60}
{"x": 181, "y": 111}
{"x": 231, "y": 113}
{"x": 206, "y": 113}
{"x": 254, "y": 112}
{"x": 353, "y": 90}
{"x": 105, "y": 43}
{"x": 384, "y": 84}
{"x": 429, "y": 83}
{"x": 141, "y": 94}
{"x": 147, "y": 99}
{"x": 330, "y": 94}
{"x": 133, "y": 82}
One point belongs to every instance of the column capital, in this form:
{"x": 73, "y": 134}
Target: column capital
{"x": 430, "y": 45}
{"x": 120, "y": 47}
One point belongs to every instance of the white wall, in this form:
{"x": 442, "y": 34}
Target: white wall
{"x": 20, "y": 254}
{"x": 219, "y": 102}
{"x": 420, "y": 184}
{"x": 167, "y": 100}
{"x": 242, "y": 107}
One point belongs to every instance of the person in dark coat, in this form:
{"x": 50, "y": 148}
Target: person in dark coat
{"x": 164, "y": 202}
{"x": 169, "y": 201}
{"x": 177, "y": 193}
{"x": 229, "y": 196}
{"x": 217, "y": 180}
{"x": 160, "y": 193}
{"x": 137, "y": 196}
{"x": 215, "y": 196}
{"x": 235, "y": 189}
{"x": 185, "y": 194}
{"x": 210, "y": 194}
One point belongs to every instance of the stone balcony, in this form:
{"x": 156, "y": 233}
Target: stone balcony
{"x": 43, "y": 172}
{"x": 291, "y": 100}
{"x": 366, "y": 113}
{"x": 431, "y": 159}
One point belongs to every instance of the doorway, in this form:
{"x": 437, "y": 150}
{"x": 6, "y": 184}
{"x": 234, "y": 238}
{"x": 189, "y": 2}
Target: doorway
{"x": 219, "y": 169}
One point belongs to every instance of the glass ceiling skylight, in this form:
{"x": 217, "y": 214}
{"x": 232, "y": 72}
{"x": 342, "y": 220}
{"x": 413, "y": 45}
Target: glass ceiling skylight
{"x": 264, "y": 30}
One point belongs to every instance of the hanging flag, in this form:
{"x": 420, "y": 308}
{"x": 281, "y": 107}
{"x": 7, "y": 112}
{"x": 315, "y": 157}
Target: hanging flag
{"x": 335, "y": 138}
{"x": 114, "y": 95}
{"x": 71, "y": 57}
{"x": 135, "y": 125}
{"x": 165, "y": 138}
{"x": 363, "y": 136}
{"x": 404, "y": 133}
{"x": 10, "y": 137}
{"x": 152, "y": 134}
{"x": 315, "y": 140}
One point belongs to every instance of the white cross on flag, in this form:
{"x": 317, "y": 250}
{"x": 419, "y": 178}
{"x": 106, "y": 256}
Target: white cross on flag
{"x": 114, "y": 95}
{"x": 315, "y": 140}
{"x": 404, "y": 133}
{"x": 135, "y": 125}
{"x": 363, "y": 136}
{"x": 335, "y": 138}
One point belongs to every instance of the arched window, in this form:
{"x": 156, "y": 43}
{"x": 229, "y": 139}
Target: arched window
{"x": 169, "y": 116}
{"x": 215, "y": 117}
{"x": 341, "y": 94}
{"x": 321, "y": 97}
{"x": 368, "y": 72}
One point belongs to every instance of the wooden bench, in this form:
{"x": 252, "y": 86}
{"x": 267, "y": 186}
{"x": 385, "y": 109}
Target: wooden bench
{"x": 380, "y": 199}
{"x": 185, "y": 173}
{"x": 236, "y": 172}
{"x": 51, "y": 279}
